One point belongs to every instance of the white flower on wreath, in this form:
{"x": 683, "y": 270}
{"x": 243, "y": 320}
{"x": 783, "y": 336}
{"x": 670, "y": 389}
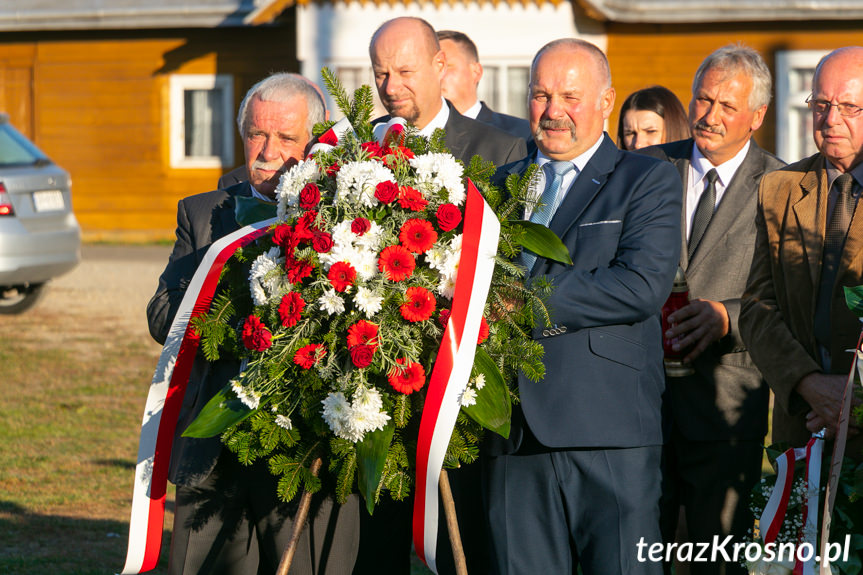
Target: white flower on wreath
{"x": 353, "y": 420}
{"x": 356, "y": 182}
{"x": 439, "y": 171}
{"x": 284, "y": 422}
{"x": 248, "y": 397}
{"x": 291, "y": 184}
{"x": 360, "y": 251}
{"x": 468, "y": 396}
{"x": 445, "y": 259}
{"x": 336, "y": 412}
{"x": 331, "y": 302}
{"x": 368, "y": 301}
{"x": 266, "y": 278}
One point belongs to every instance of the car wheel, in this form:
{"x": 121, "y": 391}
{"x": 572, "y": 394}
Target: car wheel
{"x": 18, "y": 299}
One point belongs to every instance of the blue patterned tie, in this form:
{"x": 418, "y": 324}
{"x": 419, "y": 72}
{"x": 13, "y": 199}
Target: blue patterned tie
{"x": 548, "y": 202}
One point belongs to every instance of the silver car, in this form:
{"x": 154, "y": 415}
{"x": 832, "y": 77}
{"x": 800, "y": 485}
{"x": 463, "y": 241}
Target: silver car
{"x": 39, "y": 236}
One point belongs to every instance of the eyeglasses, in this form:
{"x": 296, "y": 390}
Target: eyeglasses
{"x": 822, "y": 108}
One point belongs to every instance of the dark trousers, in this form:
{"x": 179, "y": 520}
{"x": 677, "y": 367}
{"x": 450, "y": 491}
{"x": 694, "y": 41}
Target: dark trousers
{"x": 234, "y": 524}
{"x": 553, "y": 510}
{"x": 713, "y": 481}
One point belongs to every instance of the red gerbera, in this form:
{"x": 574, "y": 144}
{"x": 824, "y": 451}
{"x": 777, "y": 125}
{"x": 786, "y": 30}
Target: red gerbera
{"x": 419, "y": 306}
{"x": 411, "y": 199}
{"x": 298, "y": 270}
{"x": 407, "y": 379}
{"x": 363, "y": 332}
{"x": 341, "y": 275}
{"x": 307, "y": 356}
{"x": 483, "y": 331}
{"x": 256, "y": 336}
{"x": 290, "y": 308}
{"x": 417, "y": 235}
{"x": 397, "y": 263}
{"x": 386, "y": 192}
{"x": 360, "y": 226}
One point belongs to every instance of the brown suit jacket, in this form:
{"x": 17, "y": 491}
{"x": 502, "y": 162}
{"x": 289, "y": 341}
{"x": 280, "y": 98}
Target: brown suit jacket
{"x": 776, "y": 318}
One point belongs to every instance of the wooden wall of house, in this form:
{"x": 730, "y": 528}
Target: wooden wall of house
{"x": 98, "y": 104}
{"x": 669, "y": 54}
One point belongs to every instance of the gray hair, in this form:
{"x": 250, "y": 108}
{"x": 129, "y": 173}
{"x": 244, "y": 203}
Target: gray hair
{"x": 739, "y": 58}
{"x": 576, "y": 44}
{"x": 282, "y": 87}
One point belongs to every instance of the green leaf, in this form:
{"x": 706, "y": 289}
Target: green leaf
{"x": 492, "y": 409}
{"x": 371, "y": 456}
{"x": 854, "y": 299}
{"x": 542, "y": 241}
{"x": 220, "y": 413}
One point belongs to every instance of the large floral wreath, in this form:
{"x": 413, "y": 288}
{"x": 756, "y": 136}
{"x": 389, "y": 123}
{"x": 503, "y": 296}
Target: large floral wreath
{"x": 338, "y": 312}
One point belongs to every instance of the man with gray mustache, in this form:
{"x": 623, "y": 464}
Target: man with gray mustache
{"x": 716, "y": 417}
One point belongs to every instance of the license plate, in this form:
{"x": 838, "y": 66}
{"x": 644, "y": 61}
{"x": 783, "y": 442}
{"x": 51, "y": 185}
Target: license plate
{"x": 48, "y": 201}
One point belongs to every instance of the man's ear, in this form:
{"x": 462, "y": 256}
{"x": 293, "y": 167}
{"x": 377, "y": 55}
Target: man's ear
{"x": 439, "y": 63}
{"x": 476, "y": 72}
{"x": 606, "y": 102}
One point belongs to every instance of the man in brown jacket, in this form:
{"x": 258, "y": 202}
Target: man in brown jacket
{"x": 809, "y": 245}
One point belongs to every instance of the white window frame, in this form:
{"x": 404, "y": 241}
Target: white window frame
{"x": 179, "y": 84}
{"x": 790, "y": 106}
{"x": 502, "y": 80}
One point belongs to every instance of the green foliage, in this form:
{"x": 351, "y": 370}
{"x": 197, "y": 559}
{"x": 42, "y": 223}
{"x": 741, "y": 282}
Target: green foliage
{"x": 215, "y": 328}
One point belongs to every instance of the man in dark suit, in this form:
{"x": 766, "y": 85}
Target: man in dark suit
{"x": 408, "y": 65}
{"x": 228, "y": 518}
{"x": 459, "y": 84}
{"x": 809, "y": 246}
{"x": 578, "y": 481}
{"x": 718, "y": 414}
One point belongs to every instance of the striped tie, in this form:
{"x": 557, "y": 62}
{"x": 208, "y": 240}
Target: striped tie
{"x": 548, "y": 202}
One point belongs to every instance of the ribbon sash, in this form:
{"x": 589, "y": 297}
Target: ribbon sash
{"x": 165, "y": 399}
{"x": 452, "y": 367}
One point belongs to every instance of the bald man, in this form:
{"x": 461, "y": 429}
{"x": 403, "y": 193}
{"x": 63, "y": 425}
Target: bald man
{"x": 459, "y": 85}
{"x": 577, "y": 483}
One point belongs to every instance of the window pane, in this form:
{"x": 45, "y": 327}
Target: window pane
{"x": 517, "y": 79}
{"x": 487, "y": 90}
{"x": 203, "y": 122}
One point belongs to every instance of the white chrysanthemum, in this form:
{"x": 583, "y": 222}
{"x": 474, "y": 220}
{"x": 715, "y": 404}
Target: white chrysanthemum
{"x": 366, "y": 414}
{"x": 368, "y": 301}
{"x": 367, "y": 399}
{"x": 342, "y": 234}
{"x": 356, "y": 182}
{"x": 479, "y": 382}
{"x": 468, "y": 396}
{"x": 365, "y": 261}
{"x": 436, "y": 256}
{"x": 266, "y": 279}
{"x": 336, "y": 411}
{"x": 284, "y": 422}
{"x": 440, "y": 171}
{"x": 446, "y": 287}
{"x": 331, "y": 302}
{"x": 370, "y": 240}
{"x": 291, "y": 184}
{"x": 247, "y": 396}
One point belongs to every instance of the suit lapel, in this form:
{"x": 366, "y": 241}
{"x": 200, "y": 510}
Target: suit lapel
{"x": 854, "y": 241}
{"x": 811, "y": 221}
{"x": 454, "y": 133}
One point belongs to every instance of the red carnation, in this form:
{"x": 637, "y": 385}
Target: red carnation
{"x": 305, "y": 228}
{"x": 256, "y": 336}
{"x": 360, "y": 226}
{"x": 285, "y": 236}
{"x": 362, "y": 355}
{"x": 396, "y": 154}
{"x": 396, "y": 262}
{"x": 373, "y": 149}
{"x": 411, "y": 199}
{"x": 307, "y": 356}
{"x": 386, "y": 192}
{"x": 363, "y": 333}
{"x": 417, "y": 235}
{"x": 341, "y": 275}
{"x": 443, "y": 317}
{"x": 483, "y": 331}
{"x": 448, "y": 217}
{"x": 407, "y": 379}
{"x": 298, "y": 270}
{"x": 333, "y": 169}
{"x": 419, "y": 306}
{"x": 322, "y": 242}
{"x": 310, "y": 195}
{"x": 290, "y": 308}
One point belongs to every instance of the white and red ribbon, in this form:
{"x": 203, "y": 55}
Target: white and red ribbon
{"x": 165, "y": 399}
{"x": 453, "y": 366}
{"x": 777, "y": 504}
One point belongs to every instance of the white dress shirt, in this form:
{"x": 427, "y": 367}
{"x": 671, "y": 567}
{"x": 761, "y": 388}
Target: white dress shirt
{"x": 698, "y": 168}
{"x": 439, "y": 121}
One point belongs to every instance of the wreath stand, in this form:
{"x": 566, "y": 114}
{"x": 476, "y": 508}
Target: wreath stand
{"x": 449, "y": 512}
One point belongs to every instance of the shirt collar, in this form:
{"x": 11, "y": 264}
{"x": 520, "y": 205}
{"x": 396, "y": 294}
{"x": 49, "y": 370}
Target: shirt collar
{"x": 439, "y": 121}
{"x": 725, "y": 170}
{"x": 579, "y": 161}
{"x": 833, "y": 173}
{"x": 473, "y": 111}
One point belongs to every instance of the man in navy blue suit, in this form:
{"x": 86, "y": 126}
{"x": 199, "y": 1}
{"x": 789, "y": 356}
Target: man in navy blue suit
{"x": 578, "y": 481}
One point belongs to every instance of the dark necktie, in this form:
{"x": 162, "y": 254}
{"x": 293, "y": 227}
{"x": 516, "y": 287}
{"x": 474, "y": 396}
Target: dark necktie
{"x": 703, "y": 211}
{"x": 548, "y": 202}
{"x": 834, "y": 241}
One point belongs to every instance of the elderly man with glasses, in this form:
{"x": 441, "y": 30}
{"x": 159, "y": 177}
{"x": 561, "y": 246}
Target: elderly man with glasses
{"x": 809, "y": 246}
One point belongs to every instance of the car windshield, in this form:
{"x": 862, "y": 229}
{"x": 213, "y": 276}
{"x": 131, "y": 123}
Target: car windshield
{"x": 16, "y": 150}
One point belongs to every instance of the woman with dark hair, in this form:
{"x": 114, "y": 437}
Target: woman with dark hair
{"x": 651, "y": 116}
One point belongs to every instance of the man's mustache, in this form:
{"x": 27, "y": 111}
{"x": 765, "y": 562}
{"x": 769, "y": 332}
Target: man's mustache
{"x": 702, "y": 126}
{"x": 562, "y": 124}
{"x": 279, "y": 167}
